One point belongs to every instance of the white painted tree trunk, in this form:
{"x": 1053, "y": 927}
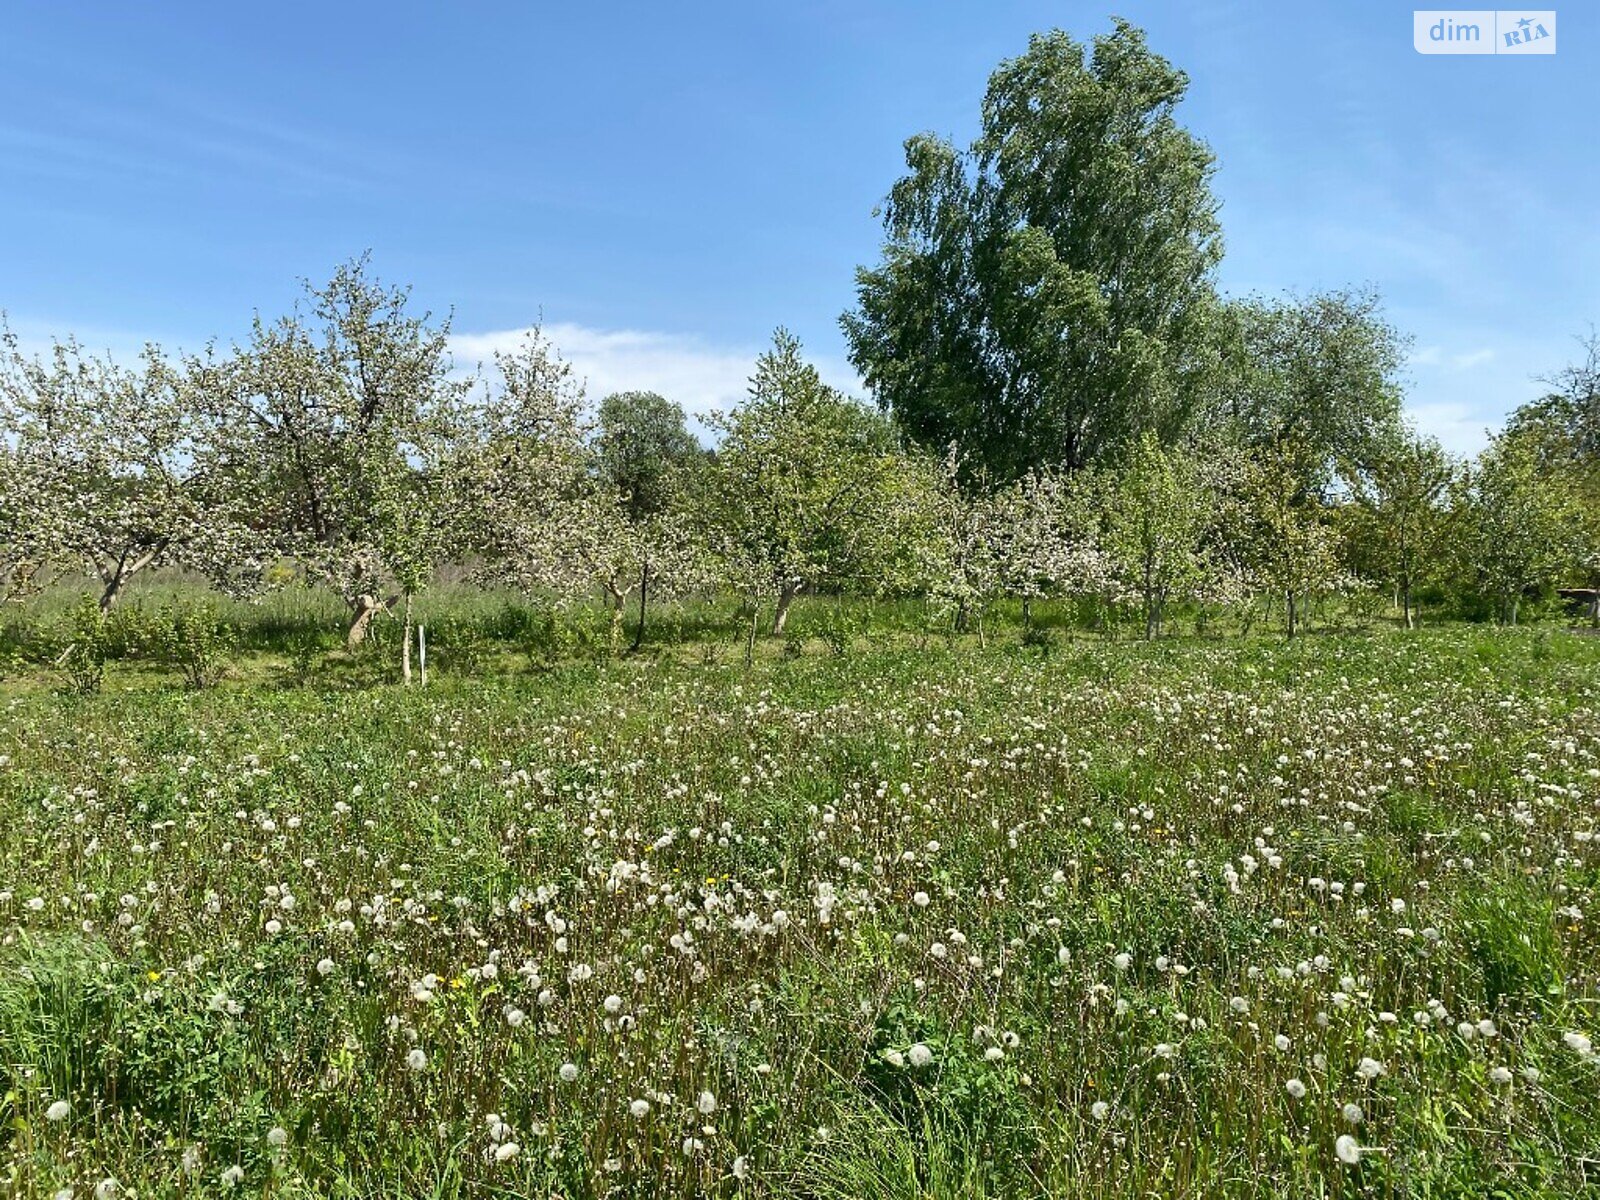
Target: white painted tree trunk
{"x": 405, "y": 646}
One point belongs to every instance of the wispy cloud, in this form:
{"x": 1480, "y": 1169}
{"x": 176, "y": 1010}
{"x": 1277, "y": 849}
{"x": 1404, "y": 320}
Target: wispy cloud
{"x": 1463, "y": 381}
{"x": 1461, "y": 360}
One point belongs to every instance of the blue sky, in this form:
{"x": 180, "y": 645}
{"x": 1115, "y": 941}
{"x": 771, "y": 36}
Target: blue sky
{"x": 662, "y": 184}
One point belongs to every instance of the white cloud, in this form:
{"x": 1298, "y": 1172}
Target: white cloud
{"x": 701, "y": 376}
{"x": 1436, "y": 356}
{"x": 1465, "y": 382}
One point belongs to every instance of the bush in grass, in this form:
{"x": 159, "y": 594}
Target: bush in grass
{"x": 195, "y": 641}
{"x": 458, "y": 645}
{"x": 79, "y": 647}
{"x": 839, "y": 628}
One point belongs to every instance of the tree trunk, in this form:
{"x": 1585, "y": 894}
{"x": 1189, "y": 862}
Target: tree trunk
{"x": 363, "y": 608}
{"x": 1027, "y": 614}
{"x": 786, "y": 595}
{"x": 117, "y": 577}
{"x": 1149, "y": 601}
{"x": 644, "y": 586}
{"x": 405, "y": 646}
{"x": 1405, "y": 597}
{"x": 1289, "y": 607}
{"x": 619, "y": 601}
{"x": 113, "y": 593}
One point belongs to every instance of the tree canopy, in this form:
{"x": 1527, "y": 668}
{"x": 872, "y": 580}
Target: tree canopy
{"x": 1046, "y": 295}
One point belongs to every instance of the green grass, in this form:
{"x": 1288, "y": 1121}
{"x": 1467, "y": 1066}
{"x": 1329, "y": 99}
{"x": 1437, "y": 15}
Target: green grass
{"x": 961, "y": 842}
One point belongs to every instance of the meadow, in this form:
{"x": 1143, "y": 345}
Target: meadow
{"x": 876, "y": 914}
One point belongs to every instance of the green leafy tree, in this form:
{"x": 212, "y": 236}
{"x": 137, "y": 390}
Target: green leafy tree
{"x": 1047, "y": 294}
{"x": 1521, "y": 521}
{"x": 1403, "y": 519}
{"x": 803, "y": 487}
{"x": 1288, "y": 544}
{"x": 643, "y": 448}
{"x": 1320, "y": 373}
{"x": 642, "y": 444}
{"x": 1564, "y": 429}
{"x": 1156, "y": 520}
{"x": 1309, "y": 386}
{"x": 414, "y": 526}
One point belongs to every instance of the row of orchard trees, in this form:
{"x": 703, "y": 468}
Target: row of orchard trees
{"x": 342, "y": 439}
{"x": 1066, "y": 406}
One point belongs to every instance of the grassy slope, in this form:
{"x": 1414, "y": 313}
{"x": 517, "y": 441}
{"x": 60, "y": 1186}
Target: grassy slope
{"x": 1173, "y": 803}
